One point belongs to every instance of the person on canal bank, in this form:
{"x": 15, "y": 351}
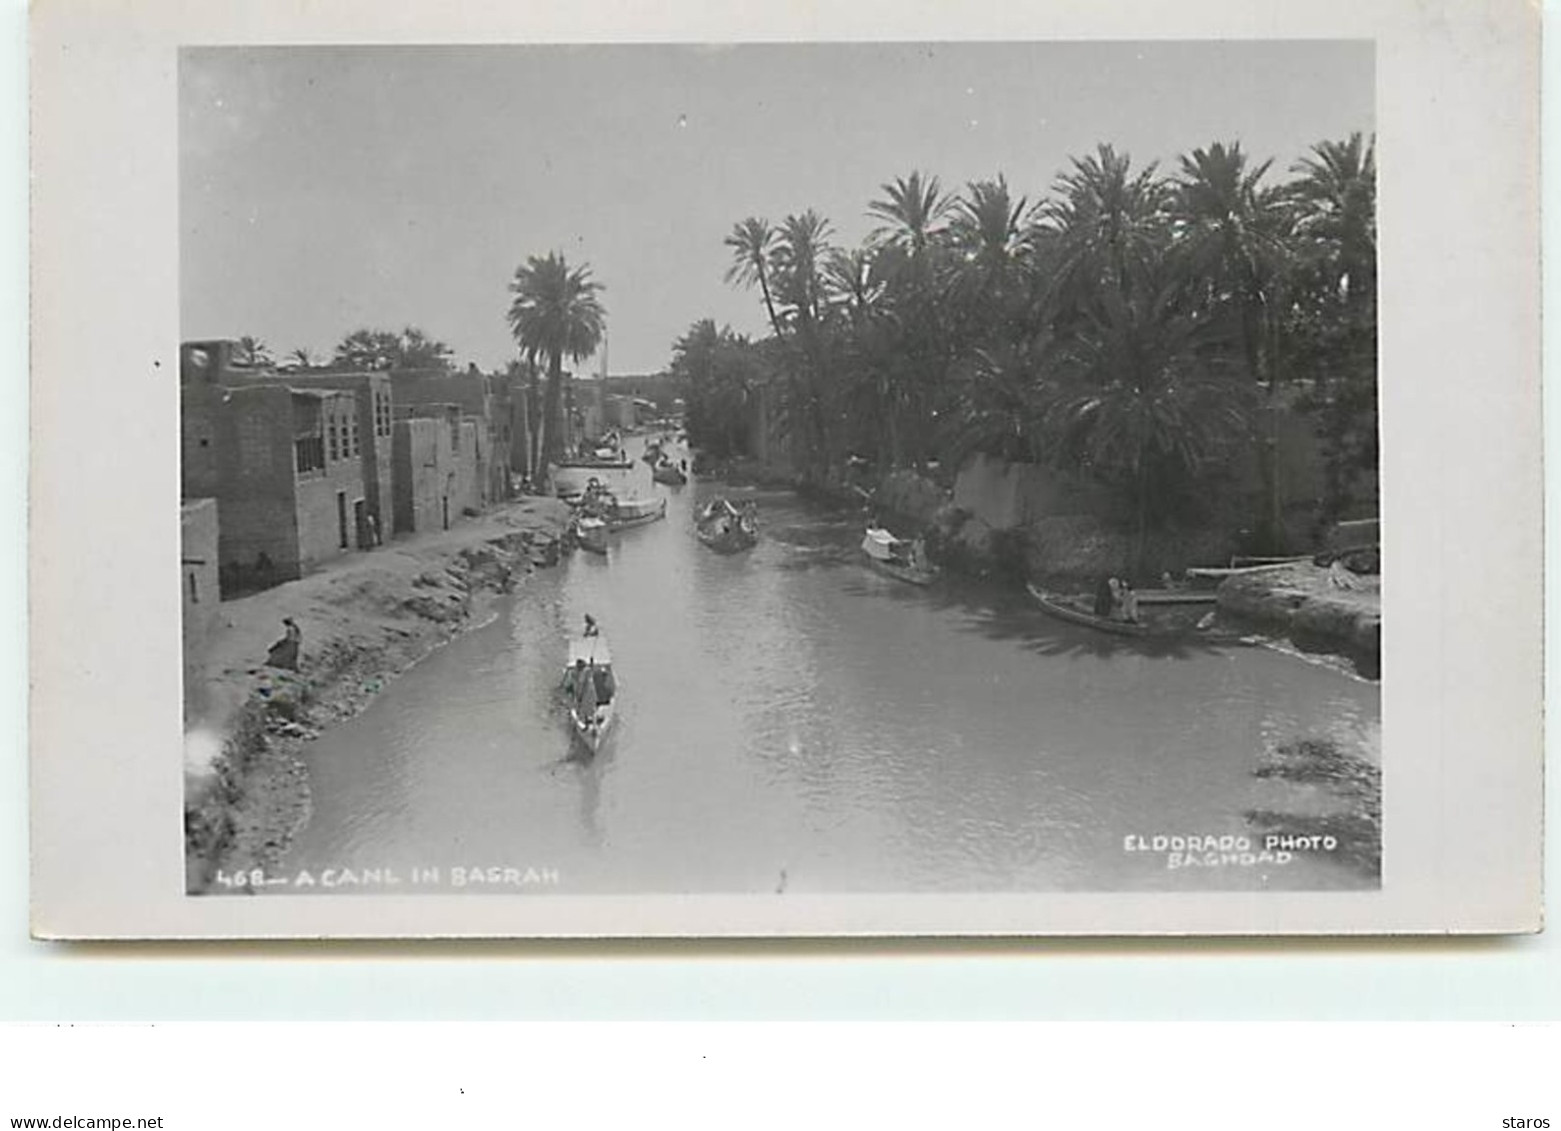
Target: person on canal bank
{"x": 286, "y": 652}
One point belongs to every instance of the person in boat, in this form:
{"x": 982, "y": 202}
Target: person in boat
{"x": 591, "y": 627}
{"x": 1129, "y": 603}
{"x": 585, "y": 694}
{"x": 919, "y": 553}
{"x": 286, "y": 651}
{"x": 1114, "y": 608}
{"x": 606, "y": 685}
{"x": 1105, "y": 597}
{"x": 572, "y": 677}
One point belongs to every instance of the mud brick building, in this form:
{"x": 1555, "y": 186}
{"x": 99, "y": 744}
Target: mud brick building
{"x": 477, "y": 397}
{"x": 285, "y": 465}
{"x": 372, "y": 398}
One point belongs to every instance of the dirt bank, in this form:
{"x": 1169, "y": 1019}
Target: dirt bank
{"x": 365, "y": 618}
{"x": 1301, "y": 602}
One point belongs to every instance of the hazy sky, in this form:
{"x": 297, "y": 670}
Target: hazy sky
{"x": 323, "y": 189}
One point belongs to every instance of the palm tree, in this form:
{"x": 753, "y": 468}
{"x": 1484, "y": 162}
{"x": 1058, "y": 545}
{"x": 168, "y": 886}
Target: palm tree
{"x": 992, "y": 235}
{"x": 1333, "y": 320}
{"x": 751, "y": 242}
{"x": 1141, "y": 401}
{"x": 1336, "y": 193}
{"x": 1232, "y": 236}
{"x": 252, "y": 351}
{"x": 797, "y": 264}
{"x": 1233, "y": 241}
{"x": 912, "y": 208}
{"x": 555, "y": 313}
{"x": 1108, "y": 226}
{"x": 303, "y": 356}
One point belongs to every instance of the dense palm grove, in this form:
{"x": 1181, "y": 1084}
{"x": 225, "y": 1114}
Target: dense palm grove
{"x": 1128, "y": 328}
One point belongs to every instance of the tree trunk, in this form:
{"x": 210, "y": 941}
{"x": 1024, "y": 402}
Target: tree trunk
{"x": 552, "y": 447}
{"x": 769, "y": 305}
{"x": 1143, "y": 518}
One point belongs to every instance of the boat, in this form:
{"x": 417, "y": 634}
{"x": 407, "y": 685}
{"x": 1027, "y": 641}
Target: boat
{"x": 1080, "y": 610}
{"x": 668, "y": 473}
{"x": 572, "y": 478}
{"x": 1222, "y": 572}
{"x": 1074, "y": 612}
{"x": 590, "y": 731}
{"x": 634, "y": 512}
{"x": 725, "y": 529}
{"x": 1177, "y": 596}
{"x": 896, "y": 557}
{"x": 591, "y": 533}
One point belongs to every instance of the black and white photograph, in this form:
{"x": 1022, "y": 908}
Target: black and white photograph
{"x": 787, "y": 468}
{"x": 669, "y": 477}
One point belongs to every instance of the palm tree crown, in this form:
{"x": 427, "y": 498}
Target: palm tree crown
{"x": 555, "y": 314}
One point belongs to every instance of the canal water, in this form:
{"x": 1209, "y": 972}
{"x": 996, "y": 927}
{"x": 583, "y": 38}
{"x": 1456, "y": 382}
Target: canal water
{"x": 790, "y": 718}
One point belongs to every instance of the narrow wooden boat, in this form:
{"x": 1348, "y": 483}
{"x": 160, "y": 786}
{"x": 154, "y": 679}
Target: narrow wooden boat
{"x": 1063, "y": 609}
{"x": 1177, "y": 597}
{"x": 739, "y": 535}
{"x": 591, "y": 533}
{"x": 892, "y": 556}
{"x": 621, "y": 513}
{"x": 1077, "y": 610}
{"x": 668, "y": 473}
{"x": 590, "y": 731}
{"x": 1222, "y": 572}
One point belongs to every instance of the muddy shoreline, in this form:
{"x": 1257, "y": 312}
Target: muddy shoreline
{"x": 366, "y": 619}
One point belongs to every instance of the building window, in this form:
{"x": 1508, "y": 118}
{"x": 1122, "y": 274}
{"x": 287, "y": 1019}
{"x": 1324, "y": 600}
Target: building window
{"x": 354, "y": 446}
{"x": 309, "y": 453}
{"x": 331, "y": 425}
{"x": 195, "y": 592}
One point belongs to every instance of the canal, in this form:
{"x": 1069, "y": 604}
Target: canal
{"x": 789, "y": 718}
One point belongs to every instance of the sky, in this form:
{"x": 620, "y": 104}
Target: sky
{"x": 323, "y": 189}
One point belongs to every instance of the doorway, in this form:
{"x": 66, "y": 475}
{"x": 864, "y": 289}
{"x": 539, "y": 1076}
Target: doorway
{"x": 341, "y": 519}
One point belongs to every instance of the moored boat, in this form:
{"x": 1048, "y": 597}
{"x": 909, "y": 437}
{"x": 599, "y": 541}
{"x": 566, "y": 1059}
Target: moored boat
{"x": 897, "y": 558}
{"x": 573, "y": 478}
{"x": 1074, "y": 612}
{"x": 592, "y": 708}
{"x": 591, "y": 533}
{"x": 619, "y": 511}
{"x": 635, "y": 512}
{"x": 1078, "y": 610}
{"x": 668, "y": 473}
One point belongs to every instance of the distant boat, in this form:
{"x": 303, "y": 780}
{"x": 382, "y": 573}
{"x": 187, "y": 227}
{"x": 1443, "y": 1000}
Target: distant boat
{"x": 725, "y": 529}
{"x": 669, "y": 473}
{"x": 591, "y": 730}
{"x": 896, "y": 557}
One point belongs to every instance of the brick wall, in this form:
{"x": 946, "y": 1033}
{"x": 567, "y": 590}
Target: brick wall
{"x": 375, "y": 406}
{"x": 198, "y": 579}
{"x": 254, "y": 443}
{"x": 468, "y": 468}
{"x": 327, "y": 498}
{"x": 417, "y": 474}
